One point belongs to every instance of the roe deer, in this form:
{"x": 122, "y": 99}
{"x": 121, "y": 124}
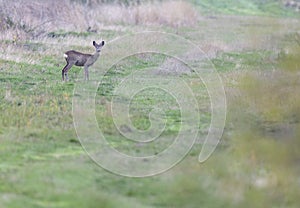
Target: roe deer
{"x": 80, "y": 59}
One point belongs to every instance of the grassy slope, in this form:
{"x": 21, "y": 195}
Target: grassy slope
{"x": 246, "y": 7}
{"x": 43, "y": 165}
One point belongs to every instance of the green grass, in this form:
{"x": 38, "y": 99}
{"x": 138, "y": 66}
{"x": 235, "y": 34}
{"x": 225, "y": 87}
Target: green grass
{"x": 245, "y": 7}
{"x": 244, "y": 61}
{"x": 42, "y": 163}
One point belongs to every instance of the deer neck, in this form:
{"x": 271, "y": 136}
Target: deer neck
{"x": 95, "y": 56}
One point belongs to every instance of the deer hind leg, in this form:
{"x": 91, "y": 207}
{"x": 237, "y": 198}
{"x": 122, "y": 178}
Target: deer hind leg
{"x": 65, "y": 70}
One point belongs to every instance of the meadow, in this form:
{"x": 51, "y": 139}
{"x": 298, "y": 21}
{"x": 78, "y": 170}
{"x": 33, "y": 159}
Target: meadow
{"x": 253, "y": 45}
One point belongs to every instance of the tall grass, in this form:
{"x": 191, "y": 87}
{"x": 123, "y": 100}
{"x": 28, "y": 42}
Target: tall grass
{"x": 35, "y": 18}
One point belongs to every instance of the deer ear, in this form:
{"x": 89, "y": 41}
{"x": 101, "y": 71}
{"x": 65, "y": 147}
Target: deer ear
{"x": 94, "y": 43}
{"x": 103, "y": 42}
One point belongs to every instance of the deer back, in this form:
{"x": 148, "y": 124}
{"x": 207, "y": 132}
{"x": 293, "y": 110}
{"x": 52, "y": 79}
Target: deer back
{"x": 79, "y": 59}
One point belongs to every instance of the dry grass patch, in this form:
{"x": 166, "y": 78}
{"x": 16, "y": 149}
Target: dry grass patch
{"x": 36, "y": 18}
{"x": 272, "y": 95}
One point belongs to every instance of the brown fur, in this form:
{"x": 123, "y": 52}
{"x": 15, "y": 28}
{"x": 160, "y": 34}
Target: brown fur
{"x": 81, "y": 59}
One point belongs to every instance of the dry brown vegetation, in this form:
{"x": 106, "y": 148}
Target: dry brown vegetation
{"x": 35, "y": 18}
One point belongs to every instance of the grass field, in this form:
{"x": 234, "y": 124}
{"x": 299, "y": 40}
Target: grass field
{"x": 253, "y": 45}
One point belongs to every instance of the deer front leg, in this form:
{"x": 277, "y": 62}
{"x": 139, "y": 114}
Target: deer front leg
{"x": 65, "y": 70}
{"x": 86, "y": 73}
